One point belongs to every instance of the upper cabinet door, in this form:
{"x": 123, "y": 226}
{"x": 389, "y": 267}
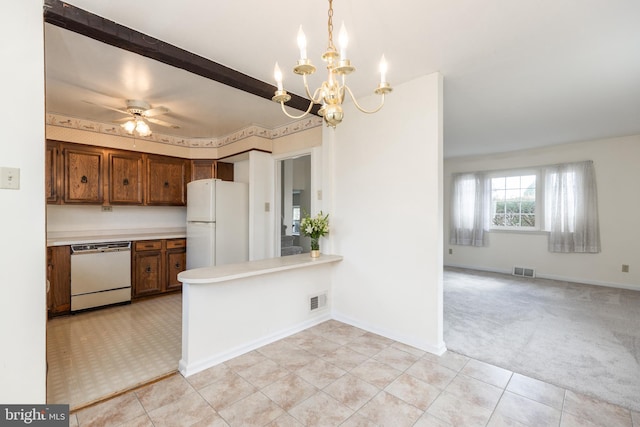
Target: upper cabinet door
{"x": 224, "y": 171}
{"x": 83, "y": 175}
{"x": 166, "y": 181}
{"x": 202, "y": 169}
{"x": 125, "y": 178}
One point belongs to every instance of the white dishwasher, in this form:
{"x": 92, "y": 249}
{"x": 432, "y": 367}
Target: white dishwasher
{"x": 100, "y": 274}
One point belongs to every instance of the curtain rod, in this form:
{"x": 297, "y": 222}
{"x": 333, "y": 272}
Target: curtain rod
{"x": 522, "y": 168}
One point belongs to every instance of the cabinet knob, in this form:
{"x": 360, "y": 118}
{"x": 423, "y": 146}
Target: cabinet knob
{"x": 125, "y": 181}
{"x": 84, "y": 179}
{"x": 166, "y": 184}
{"x": 148, "y": 269}
{"x": 177, "y": 266}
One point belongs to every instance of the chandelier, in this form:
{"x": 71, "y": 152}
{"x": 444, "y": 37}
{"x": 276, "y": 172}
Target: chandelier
{"x": 331, "y": 93}
{"x": 138, "y": 125}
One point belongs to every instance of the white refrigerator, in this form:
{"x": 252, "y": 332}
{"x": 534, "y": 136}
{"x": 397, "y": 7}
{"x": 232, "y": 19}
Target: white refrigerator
{"x": 217, "y": 223}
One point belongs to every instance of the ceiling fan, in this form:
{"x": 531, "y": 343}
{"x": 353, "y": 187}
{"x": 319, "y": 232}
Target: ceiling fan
{"x": 139, "y": 113}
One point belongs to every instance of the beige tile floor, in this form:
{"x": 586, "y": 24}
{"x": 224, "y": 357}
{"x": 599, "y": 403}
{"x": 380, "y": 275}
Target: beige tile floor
{"x": 337, "y": 375}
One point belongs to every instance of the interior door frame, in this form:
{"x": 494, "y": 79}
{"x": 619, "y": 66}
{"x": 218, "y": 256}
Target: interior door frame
{"x": 315, "y": 156}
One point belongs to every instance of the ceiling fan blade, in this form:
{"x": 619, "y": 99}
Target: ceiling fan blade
{"x": 124, "y": 119}
{"x": 156, "y": 111}
{"x": 162, "y": 123}
{"x": 108, "y": 108}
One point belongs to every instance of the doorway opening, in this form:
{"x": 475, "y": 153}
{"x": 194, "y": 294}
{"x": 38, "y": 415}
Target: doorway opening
{"x": 293, "y": 202}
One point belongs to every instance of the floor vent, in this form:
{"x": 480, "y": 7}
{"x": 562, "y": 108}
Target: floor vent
{"x": 524, "y": 272}
{"x": 317, "y": 302}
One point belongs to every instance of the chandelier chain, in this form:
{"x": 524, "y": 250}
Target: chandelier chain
{"x": 330, "y": 26}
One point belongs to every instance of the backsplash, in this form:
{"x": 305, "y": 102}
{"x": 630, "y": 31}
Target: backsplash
{"x": 82, "y": 218}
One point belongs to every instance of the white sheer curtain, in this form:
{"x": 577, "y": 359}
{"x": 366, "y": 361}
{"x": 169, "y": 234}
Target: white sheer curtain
{"x": 571, "y": 208}
{"x": 469, "y": 210}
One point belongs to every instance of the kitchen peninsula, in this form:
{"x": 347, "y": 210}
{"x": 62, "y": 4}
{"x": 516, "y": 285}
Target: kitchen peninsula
{"x": 232, "y": 309}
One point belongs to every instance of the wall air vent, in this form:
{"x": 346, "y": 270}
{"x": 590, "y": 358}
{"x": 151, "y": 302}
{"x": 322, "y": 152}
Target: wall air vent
{"x": 524, "y": 272}
{"x": 317, "y": 301}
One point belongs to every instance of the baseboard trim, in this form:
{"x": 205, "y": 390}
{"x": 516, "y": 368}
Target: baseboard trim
{"x": 188, "y": 369}
{"x": 435, "y": 348}
{"x": 553, "y": 277}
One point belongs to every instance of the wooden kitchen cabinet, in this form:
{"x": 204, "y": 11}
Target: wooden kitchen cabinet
{"x": 52, "y": 172}
{"x": 148, "y": 273}
{"x": 176, "y": 261}
{"x": 166, "y": 181}
{"x": 207, "y": 168}
{"x": 125, "y": 178}
{"x": 202, "y": 169}
{"x": 224, "y": 171}
{"x": 156, "y": 264}
{"x": 83, "y": 174}
{"x": 59, "y": 276}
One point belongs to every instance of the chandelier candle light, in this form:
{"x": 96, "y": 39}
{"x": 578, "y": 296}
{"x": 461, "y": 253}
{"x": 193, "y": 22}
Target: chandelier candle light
{"x": 332, "y": 92}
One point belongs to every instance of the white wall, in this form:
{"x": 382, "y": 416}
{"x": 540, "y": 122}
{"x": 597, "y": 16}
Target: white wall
{"x": 22, "y": 217}
{"x": 261, "y": 191}
{"x": 617, "y": 175}
{"x": 82, "y": 218}
{"x": 250, "y": 312}
{"x": 386, "y": 215}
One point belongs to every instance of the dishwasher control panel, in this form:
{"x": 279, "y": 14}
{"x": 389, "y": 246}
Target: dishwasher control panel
{"x": 101, "y": 247}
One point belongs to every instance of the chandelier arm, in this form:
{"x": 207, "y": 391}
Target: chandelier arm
{"x": 314, "y": 98}
{"x": 296, "y": 117}
{"x": 355, "y": 102}
{"x": 306, "y": 87}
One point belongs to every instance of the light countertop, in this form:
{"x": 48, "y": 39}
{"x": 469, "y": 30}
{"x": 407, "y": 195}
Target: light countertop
{"x": 223, "y": 273}
{"x": 61, "y": 238}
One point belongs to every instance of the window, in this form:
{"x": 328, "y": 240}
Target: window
{"x": 513, "y": 202}
{"x": 564, "y": 195}
{"x": 296, "y": 221}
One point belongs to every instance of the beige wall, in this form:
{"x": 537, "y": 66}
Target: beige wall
{"x": 617, "y": 175}
{"x": 22, "y": 217}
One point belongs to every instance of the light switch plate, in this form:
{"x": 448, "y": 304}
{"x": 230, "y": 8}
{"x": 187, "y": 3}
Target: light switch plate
{"x": 10, "y": 178}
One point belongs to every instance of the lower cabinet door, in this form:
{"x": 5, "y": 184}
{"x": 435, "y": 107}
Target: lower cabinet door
{"x": 148, "y": 273}
{"x": 176, "y": 262}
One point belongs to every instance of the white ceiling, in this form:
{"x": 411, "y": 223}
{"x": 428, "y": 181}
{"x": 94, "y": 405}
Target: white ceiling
{"x": 518, "y": 74}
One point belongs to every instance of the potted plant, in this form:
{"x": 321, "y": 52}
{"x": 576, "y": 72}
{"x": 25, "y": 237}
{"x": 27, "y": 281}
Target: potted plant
{"x": 315, "y": 227}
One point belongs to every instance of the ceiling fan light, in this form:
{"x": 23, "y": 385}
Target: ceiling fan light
{"x": 143, "y": 128}
{"x": 129, "y": 126}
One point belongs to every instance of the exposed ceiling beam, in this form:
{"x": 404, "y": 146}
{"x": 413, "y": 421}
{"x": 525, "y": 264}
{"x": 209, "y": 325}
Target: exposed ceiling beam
{"x": 98, "y": 28}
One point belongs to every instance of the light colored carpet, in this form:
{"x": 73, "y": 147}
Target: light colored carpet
{"x": 580, "y": 337}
